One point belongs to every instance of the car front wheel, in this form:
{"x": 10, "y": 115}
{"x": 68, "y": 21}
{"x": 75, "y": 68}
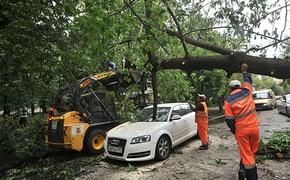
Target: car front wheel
{"x": 163, "y": 148}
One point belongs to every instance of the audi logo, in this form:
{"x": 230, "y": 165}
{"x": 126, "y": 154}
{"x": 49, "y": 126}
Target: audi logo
{"x": 115, "y": 142}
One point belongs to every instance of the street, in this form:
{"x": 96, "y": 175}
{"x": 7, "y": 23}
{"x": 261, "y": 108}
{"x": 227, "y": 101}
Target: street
{"x": 221, "y": 161}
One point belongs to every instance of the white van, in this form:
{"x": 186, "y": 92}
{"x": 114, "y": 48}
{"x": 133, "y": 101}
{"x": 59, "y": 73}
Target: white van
{"x": 264, "y": 99}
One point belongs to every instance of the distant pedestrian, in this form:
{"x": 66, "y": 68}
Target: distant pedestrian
{"x": 201, "y": 118}
{"x": 52, "y": 111}
{"x": 23, "y": 116}
{"x": 110, "y": 65}
{"x": 241, "y": 118}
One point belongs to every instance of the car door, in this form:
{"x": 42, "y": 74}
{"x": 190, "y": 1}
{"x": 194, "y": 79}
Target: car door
{"x": 189, "y": 117}
{"x": 287, "y": 104}
{"x": 177, "y": 127}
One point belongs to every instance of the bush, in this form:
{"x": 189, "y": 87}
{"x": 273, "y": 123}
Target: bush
{"x": 24, "y": 142}
{"x": 278, "y": 143}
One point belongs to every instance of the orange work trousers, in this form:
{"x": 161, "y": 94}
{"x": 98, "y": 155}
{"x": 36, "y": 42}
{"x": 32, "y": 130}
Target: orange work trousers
{"x": 202, "y": 129}
{"x": 248, "y": 142}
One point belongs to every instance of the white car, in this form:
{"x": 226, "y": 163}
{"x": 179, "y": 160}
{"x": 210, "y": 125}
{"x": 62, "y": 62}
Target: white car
{"x": 145, "y": 139}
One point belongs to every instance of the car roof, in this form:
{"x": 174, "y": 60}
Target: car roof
{"x": 167, "y": 105}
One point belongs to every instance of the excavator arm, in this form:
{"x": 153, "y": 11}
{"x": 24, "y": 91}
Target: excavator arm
{"x": 78, "y": 96}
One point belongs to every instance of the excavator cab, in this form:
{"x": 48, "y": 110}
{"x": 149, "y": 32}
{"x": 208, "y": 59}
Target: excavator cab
{"x": 86, "y": 111}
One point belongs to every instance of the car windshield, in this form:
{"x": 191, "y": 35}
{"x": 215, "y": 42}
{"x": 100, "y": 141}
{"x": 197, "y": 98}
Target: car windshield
{"x": 262, "y": 95}
{"x": 146, "y": 115}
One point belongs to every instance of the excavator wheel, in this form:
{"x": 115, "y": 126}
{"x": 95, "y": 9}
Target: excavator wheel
{"x": 94, "y": 141}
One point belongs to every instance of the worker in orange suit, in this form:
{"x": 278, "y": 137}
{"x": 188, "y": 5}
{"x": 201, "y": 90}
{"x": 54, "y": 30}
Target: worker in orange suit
{"x": 201, "y": 118}
{"x": 241, "y": 118}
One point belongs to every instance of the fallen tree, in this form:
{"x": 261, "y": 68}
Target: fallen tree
{"x": 229, "y": 60}
{"x": 274, "y": 67}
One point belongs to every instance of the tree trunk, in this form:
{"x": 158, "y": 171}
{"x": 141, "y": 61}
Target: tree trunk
{"x": 6, "y": 107}
{"x": 152, "y": 60}
{"x": 274, "y": 67}
{"x": 32, "y": 107}
{"x": 43, "y": 106}
{"x": 229, "y": 60}
{"x": 143, "y": 89}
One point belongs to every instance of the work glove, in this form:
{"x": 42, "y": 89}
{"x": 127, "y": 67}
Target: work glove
{"x": 231, "y": 125}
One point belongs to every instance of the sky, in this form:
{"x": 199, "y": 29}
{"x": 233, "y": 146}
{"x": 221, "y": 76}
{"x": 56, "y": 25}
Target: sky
{"x": 265, "y": 25}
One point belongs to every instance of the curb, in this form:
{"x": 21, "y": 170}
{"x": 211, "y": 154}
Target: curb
{"x": 215, "y": 120}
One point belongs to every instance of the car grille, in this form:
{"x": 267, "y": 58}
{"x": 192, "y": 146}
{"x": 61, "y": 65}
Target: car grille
{"x": 138, "y": 155}
{"x": 55, "y": 131}
{"x": 116, "y": 142}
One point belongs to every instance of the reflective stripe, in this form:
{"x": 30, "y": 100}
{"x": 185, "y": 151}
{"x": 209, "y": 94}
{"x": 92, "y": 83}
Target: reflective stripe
{"x": 245, "y": 114}
{"x": 240, "y": 98}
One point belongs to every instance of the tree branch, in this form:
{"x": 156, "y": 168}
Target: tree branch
{"x": 146, "y": 27}
{"x": 285, "y": 21}
{"x": 229, "y": 27}
{"x": 269, "y": 45}
{"x": 178, "y": 27}
{"x": 122, "y": 9}
{"x": 203, "y": 45}
{"x": 274, "y": 67}
{"x": 271, "y": 12}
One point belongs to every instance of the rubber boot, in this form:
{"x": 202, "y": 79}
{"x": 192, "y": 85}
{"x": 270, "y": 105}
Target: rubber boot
{"x": 242, "y": 172}
{"x": 203, "y": 147}
{"x": 252, "y": 174}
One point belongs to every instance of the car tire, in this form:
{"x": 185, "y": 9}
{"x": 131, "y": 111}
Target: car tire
{"x": 163, "y": 148}
{"x": 94, "y": 141}
{"x": 287, "y": 112}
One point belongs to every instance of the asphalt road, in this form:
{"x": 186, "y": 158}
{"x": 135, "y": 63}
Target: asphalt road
{"x": 271, "y": 121}
{"x": 221, "y": 161}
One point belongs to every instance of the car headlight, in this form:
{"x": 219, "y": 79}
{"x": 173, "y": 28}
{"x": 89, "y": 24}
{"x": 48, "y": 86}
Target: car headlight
{"x": 141, "y": 139}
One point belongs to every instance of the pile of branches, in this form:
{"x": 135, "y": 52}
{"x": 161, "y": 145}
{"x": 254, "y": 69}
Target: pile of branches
{"x": 278, "y": 146}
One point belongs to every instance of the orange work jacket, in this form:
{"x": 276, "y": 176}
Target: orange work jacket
{"x": 240, "y": 110}
{"x": 201, "y": 117}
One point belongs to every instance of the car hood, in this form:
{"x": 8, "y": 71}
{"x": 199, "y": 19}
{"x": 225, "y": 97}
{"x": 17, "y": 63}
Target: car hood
{"x": 131, "y": 130}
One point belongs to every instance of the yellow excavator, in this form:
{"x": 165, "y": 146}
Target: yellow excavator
{"x": 85, "y": 111}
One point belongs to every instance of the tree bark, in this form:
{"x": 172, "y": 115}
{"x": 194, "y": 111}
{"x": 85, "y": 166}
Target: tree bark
{"x": 274, "y": 67}
{"x": 152, "y": 60}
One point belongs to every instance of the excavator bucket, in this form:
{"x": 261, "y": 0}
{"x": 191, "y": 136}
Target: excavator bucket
{"x": 121, "y": 80}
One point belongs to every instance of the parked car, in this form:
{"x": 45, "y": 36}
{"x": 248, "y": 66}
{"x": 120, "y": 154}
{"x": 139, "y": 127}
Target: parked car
{"x": 284, "y": 105}
{"x": 278, "y": 100}
{"x": 144, "y": 138}
{"x": 264, "y": 99}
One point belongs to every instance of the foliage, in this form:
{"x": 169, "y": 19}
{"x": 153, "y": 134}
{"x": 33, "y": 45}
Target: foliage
{"x": 278, "y": 143}
{"x": 126, "y": 109}
{"x": 53, "y": 168}
{"x": 174, "y": 86}
{"x": 29, "y": 141}
{"x": 211, "y": 83}
{"x": 26, "y": 142}
{"x": 131, "y": 168}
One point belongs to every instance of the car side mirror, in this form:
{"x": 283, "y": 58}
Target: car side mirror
{"x": 175, "y": 117}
